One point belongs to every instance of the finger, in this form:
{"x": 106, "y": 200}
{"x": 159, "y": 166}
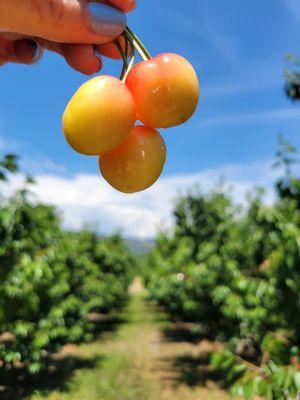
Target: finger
{"x": 12, "y": 36}
{"x": 110, "y": 49}
{"x": 25, "y": 51}
{"x": 82, "y": 58}
{"x": 125, "y": 5}
{"x": 72, "y": 21}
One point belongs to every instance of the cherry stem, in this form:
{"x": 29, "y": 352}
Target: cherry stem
{"x": 131, "y": 64}
{"x": 126, "y": 46}
{"x": 138, "y": 44}
{"x": 133, "y": 43}
{"x": 127, "y": 66}
{"x": 124, "y": 57}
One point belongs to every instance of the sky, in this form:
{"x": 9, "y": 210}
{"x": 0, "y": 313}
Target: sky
{"x": 238, "y": 49}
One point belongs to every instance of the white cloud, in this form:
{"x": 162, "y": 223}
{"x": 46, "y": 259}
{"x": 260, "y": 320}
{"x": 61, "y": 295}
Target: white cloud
{"x": 227, "y": 90}
{"x": 294, "y": 8}
{"x": 242, "y": 84}
{"x": 189, "y": 23}
{"x": 3, "y": 143}
{"x": 266, "y": 115}
{"x": 38, "y": 163}
{"x": 86, "y": 199}
{"x": 226, "y": 44}
{"x": 9, "y": 145}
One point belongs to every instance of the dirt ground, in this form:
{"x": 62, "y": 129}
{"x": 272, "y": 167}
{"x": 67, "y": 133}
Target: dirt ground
{"x": 143, "y": 357}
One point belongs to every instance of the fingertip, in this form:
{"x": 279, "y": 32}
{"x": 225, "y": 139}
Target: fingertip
{"x": 26, "y": 51}
{"x": 124, "y": 5}
{"x": 93, "y": 67}
{"x": 131, "y": 5}
{"x": 110, "y": 50}
{"x": 82, "y": 58}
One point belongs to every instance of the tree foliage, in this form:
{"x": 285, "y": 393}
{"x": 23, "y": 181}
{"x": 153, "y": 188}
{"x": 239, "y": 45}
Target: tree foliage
{"x": 292, "y": 86}
{"x": 50, "y": 280}
{"x": 235, "y": 274}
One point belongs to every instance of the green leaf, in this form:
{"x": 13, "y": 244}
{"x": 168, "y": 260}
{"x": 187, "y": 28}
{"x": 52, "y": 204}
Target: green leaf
{"x": 297, "y": 379}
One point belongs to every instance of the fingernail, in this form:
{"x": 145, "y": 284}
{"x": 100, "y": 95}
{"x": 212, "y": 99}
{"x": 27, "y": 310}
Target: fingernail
{"x": 98, "y": 56}
{"x": 26, "y": 50}
{"x": 106, "y": 20}
{"x": 34, "y": 48}
{"x": 96, "y": 53}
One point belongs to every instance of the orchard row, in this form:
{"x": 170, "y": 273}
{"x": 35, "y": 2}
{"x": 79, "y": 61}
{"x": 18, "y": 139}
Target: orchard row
{"x": 51, "y": 282}
{"x": 235, "y": 277}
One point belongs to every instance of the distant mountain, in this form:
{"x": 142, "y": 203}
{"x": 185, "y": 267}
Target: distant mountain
{"x": 139, "y": 245}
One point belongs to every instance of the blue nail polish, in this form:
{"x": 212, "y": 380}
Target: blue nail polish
{"x": 97, "y": 53}
{"x": 106, "y": 20}
{"x": 34, "y": 48}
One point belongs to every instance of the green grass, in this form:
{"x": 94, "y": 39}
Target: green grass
{"x": 131, "y": 363}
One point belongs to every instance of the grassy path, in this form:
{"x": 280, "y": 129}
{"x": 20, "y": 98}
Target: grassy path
{"x": 135, "y": 362}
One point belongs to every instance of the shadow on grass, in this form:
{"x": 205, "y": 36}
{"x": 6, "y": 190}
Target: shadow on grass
{"x": 104, "y": 324}
{"x": 196, "y": 371}
{"x": 192, "y": 371}
{"x": 180, "y": 333}
{"x": 17, "y": 384}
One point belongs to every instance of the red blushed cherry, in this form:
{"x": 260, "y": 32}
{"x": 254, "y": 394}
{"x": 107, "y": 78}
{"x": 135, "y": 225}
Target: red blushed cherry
{"x": 165, "y": 90}
{"x": 136, "y": 163}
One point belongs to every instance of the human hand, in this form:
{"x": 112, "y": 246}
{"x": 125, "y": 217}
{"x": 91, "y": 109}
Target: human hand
{"x": 76, "y": 29}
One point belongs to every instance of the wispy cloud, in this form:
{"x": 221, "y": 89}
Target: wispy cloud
{"x": 36, "y": 163}
{"x": 3, "y": 144}
{"x": 39, "y": 163}
{"x": 240, "y": 86}
{"x": 9, "y": 145}
{"x": 294, "y": 8}
{"x": 226, "y": 90}
{"x": 86, "y": 199}
{"x": 227, "y": 45}
{"x": 252, "y": 117}
{"x": 187, "y": 22}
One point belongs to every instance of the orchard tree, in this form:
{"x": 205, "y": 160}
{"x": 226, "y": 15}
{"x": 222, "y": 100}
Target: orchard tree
{"x": 8, "y": 163}
{"x": 288, "y": 185}
{"x": 292, "y": 86}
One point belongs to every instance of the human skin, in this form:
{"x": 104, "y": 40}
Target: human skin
{"x": 76, "y": 29}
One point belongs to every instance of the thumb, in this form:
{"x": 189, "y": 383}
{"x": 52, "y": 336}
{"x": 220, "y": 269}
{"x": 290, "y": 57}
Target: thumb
{"x": 68, "y": 21}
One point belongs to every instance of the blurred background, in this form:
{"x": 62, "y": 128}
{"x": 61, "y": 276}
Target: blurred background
{"x": 239, "y": 53}
{"x": 211, "y": 252}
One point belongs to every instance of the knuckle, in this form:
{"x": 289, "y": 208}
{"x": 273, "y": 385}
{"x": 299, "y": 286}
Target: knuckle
{"x": 50, "y": 10}
{"x": 56, "y": 8}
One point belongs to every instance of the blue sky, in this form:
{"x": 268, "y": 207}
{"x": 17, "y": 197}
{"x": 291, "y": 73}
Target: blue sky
{"x": 238, "y": 49}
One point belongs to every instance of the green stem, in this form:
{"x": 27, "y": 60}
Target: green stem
{"x": 125, "y": 67}
{"x": 125, "y": 70}
{"x": 126, "y": 45}
{"x": 125, "y": 62}
{"x": 138, "y": 44}
{"x": 131, "y": 64}
{"x": 133, "y": 42}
